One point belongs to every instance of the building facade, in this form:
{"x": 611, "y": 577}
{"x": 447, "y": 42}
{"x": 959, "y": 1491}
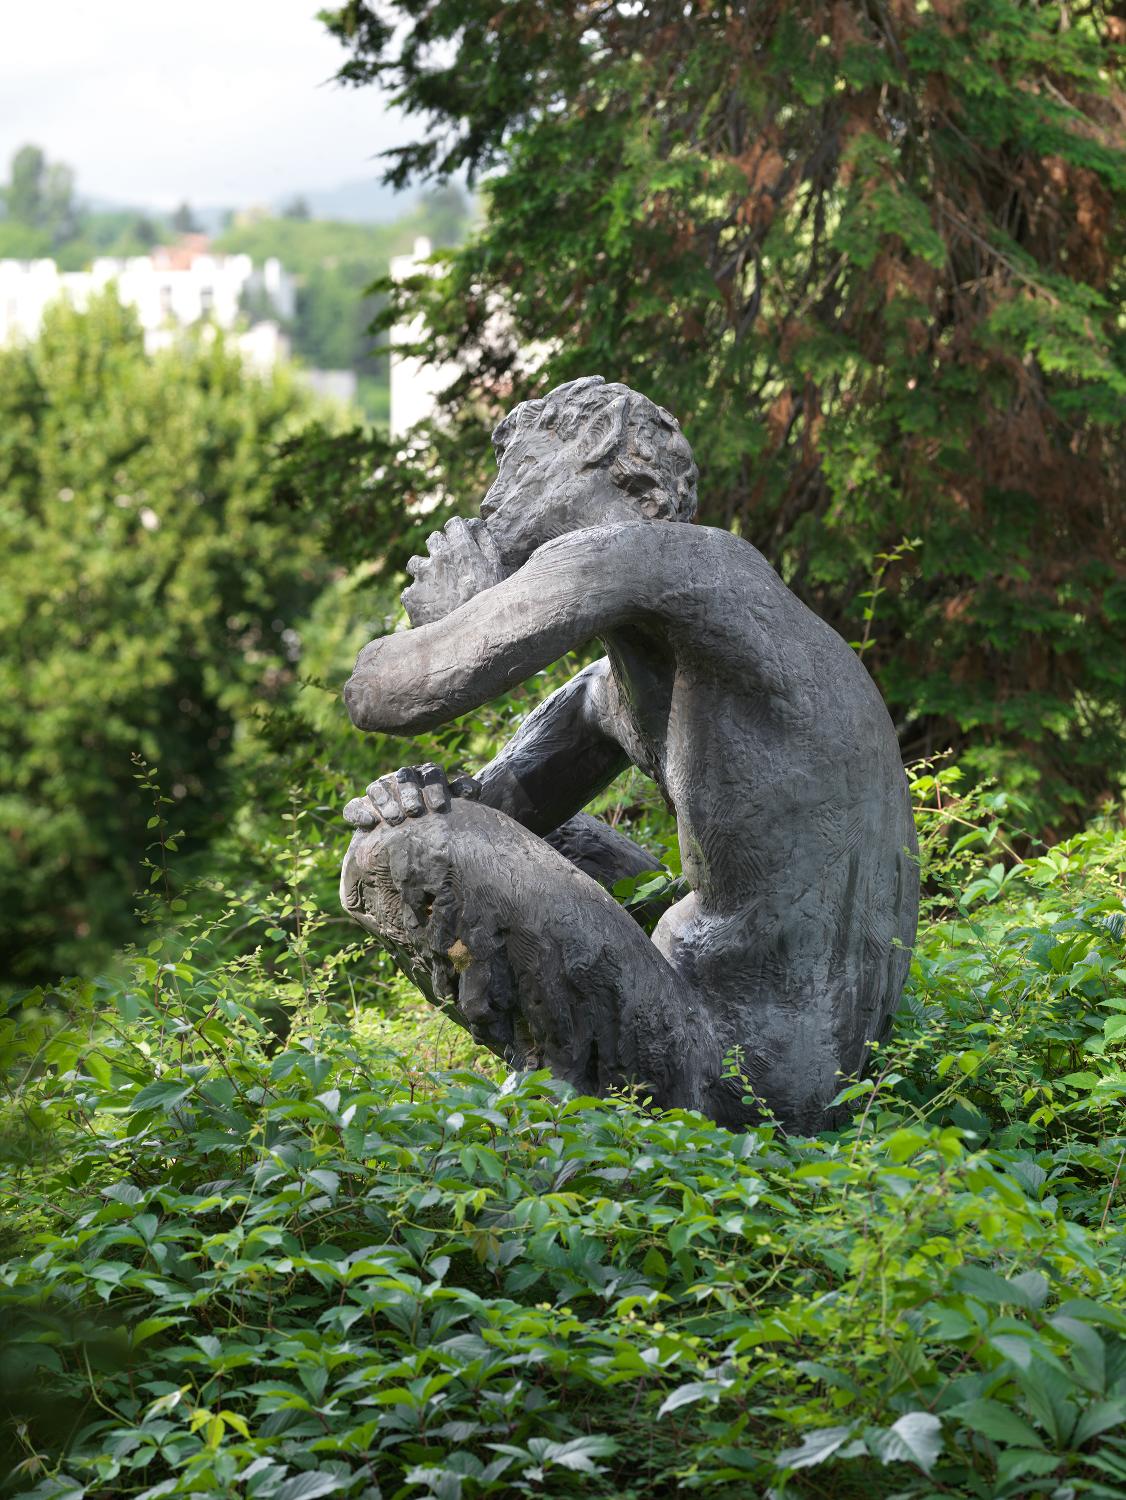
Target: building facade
{"x": 174, "y": 288}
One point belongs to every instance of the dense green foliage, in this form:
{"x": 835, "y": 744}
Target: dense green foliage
{"x": 271, "y": 1228}
{"x": 871, "y": 255}
{"x": 352, "y": 1262}
{"x": 147, "y": 583}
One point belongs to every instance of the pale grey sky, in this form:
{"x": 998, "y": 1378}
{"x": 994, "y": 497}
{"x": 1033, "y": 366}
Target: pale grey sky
{"x": 216, "y": 101}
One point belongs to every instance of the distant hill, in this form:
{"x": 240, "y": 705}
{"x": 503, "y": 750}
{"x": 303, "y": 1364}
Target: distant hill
{"x": 363, "y": 201}
{"x": 210, "y": 220}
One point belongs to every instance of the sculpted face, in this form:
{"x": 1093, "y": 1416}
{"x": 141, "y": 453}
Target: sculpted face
{"x": 587, "y": 454}
{"x": 543, "y": 490}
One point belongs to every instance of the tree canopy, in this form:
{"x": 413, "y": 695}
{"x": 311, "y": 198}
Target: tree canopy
{"x": 147, "y": 585}
{"x": 871, "y": 255}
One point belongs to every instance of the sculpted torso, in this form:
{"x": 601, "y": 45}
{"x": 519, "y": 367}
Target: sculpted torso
{"x": 760, "y": 725}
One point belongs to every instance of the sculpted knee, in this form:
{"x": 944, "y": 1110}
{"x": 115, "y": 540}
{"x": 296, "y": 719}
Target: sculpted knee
{"x": 392, "y": 877}
{"x": 400, "y": 857}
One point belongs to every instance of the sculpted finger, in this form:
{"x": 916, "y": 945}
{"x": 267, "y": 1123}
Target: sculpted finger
{"x": 435, "y": 792}
{"x": 417, "y": 565}
{"x": 418, "y": 601}
{"x": 409, "y": 790}
{"x": 384, "y": 794}
{"x": 360, "y": 813}
{"x": 462, "y": 785}
{"x": 488, "y": 549}
{"x": 435, "y": 543}
{"x": 458, "y": 533}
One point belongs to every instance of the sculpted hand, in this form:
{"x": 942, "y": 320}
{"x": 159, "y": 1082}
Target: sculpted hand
{"x": 409, "y": 793}
{"x": 463, "y": 562}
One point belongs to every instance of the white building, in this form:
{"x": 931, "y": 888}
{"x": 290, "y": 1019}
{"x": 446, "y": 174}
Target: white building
{"x": 415, "y": 385}
{"x": 175, "y": 287}
{"x": 339, "y": 386}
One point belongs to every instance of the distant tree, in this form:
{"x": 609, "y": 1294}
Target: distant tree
{"x": 60, "y": 216}
{"x": 445, "y": 214}
{"x": 24, "y": 194}
{"x": 872, "y": 255}
{"x": 22, "y": 241}
{"x": 184, "y": 221}
{"x": 40, "y": 195}
{"x": 145, "y": 231}
{"x": 145, "y": 578}
{"x": 297, "y": 208}
{"x": 336, "y": 265}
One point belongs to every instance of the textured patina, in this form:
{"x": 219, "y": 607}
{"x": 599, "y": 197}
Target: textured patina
{"x": 758, "y": 722}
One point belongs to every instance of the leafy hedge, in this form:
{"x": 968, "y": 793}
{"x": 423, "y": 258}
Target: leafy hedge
{"x": 149, "y": 589}
{"x": 354, "y": 1261}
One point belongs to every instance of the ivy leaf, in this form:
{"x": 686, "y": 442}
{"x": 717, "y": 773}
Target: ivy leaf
{"x": 310, "y": 1486}
{"x": 914, "y": 1438}
{"x": 165, "y": 1095}
{"x": 695, "y": 1390}
{"x": 815, "y": 1448}
{"x": 996, "y": 1421}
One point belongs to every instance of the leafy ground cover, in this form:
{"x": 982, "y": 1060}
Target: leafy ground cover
{"x": 343, "y": 1254}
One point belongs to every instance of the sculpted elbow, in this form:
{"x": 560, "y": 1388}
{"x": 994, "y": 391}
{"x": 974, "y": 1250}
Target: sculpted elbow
{"x": 377, "y": 709}
{"x": 356, "y": 702}
{"x": 366, "y": 695}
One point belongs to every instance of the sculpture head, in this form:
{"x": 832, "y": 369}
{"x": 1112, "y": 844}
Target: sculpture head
{"x": 586, "y": 454}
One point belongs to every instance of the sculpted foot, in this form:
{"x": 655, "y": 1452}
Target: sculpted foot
{"x": 530, "y": 955}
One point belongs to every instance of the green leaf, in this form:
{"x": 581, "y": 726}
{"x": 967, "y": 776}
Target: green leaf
{"x": 123, "y": 1192}
{"x": 815, "y": 1448}
{"x": 685, "y": 1395}
{"x": 165, "y": 1095}
{"x": 148, "y": 1327}
{"x": 578, "y": 1454}
{"x": 996, "y": 1421}
{"x": 310, "y": 1486}
{"x": 988, "y": 1287}
{"x": 1100, "y": 1416}
{"x": 915, "y": 1438}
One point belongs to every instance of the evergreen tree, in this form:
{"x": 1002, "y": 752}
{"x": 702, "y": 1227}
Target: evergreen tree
{"x": 184, "y": 221}
{"x": 871, "y": 255}
{"x": 40, "y": 195}
{"x": 24, "y": 194}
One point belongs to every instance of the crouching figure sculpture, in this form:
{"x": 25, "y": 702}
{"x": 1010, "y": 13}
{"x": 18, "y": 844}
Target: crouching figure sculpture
{"x": 759, "y": 724}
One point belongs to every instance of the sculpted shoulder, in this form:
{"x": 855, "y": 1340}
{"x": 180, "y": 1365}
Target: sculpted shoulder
{"x": 661, "y": 566}
{"x": 678, "y": 549}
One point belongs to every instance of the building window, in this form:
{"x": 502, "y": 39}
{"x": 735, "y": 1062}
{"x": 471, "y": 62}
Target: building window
{"x": 206, "y": 299}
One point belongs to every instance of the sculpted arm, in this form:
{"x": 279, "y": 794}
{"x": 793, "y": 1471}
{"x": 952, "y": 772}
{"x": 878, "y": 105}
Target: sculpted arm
{"x": 568, "y": 592}
{"x": 563, "y": 754}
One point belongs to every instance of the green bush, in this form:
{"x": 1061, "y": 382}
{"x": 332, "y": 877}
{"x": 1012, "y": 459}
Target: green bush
{"x": 147, "y": 584}
{"x": 356, "y": 1262}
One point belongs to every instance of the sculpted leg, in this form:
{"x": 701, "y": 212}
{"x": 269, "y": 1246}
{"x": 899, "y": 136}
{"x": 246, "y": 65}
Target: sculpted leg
{"x": 599, "y": 850}
{"x": 530, "y": 954}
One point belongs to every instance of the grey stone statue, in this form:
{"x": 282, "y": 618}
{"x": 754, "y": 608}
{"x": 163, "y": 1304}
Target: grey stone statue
{"x": 759, "y": 724}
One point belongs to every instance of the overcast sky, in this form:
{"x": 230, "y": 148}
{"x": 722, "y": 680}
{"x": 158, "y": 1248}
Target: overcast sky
{"x": 216, "y": 101}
